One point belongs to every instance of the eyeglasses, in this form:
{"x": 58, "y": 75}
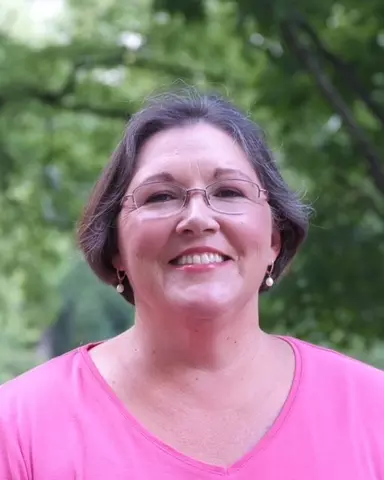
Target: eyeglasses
{"x": 166, "y": 198}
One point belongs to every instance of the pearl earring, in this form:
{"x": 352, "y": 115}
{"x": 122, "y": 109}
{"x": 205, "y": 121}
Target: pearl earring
{"x": 120, "y": 286}
{"x": 269, "y": 280}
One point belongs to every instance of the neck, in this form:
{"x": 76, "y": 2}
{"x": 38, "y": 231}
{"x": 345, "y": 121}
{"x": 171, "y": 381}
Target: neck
{"x": 206, "y": 344}
{"x": 223, "y": 360}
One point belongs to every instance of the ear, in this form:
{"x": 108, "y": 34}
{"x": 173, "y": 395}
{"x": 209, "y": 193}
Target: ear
{"x": 116, "y": 262}
{"x": 275, "y": 243}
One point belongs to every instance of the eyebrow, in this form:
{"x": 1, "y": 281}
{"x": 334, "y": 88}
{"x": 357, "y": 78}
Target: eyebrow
{"x": 219, "y": 172}
{"x": 161, "y": 177}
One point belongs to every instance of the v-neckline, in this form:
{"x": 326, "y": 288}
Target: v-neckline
{"x": 198, "y": 464}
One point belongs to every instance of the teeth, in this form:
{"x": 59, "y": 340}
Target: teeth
{"x": 205, "y": 258}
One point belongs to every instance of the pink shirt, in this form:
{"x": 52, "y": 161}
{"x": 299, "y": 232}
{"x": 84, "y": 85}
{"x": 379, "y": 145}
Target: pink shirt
{"x": 61, "y": 421}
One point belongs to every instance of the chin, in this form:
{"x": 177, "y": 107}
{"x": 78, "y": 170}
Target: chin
{"x": 204, "y": 303}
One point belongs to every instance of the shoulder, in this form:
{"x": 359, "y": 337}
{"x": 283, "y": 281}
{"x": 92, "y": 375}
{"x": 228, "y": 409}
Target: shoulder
{"x": 31, "y": 405}
{"x": 40, "y": 376}
{"x": 39, "y": 390}
{"x": 336, "y": 364}
{"x": 340, "y": 375}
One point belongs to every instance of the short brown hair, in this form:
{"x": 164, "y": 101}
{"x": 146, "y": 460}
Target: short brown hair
{"x": 97, "y": 231}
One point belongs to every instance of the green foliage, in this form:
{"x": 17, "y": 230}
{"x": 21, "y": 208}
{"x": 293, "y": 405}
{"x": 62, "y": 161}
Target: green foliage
{"x": 309, "y": 72}
{"x": 90, "y": 312}
{"x": 192, "y": 10}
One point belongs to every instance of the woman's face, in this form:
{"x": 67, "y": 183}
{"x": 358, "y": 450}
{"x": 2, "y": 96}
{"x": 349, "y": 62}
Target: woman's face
{"x": 177, "y": 260}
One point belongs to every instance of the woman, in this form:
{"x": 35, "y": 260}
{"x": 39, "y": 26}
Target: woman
{"x": 190, "y": 221}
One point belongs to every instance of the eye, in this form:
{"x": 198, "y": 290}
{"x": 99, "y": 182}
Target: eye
{"x": 228, "y": 192}
{"x": 160, "y": 197}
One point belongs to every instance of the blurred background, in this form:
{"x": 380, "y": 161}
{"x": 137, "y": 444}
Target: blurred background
{"x": 73, "y": 71}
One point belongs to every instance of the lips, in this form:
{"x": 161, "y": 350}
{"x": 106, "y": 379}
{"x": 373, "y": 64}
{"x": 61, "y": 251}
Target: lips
{"x": 200, "y": 256}
{"x": 200, "y": 259}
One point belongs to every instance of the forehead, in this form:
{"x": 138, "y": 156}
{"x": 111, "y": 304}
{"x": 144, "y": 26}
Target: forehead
{"x": 191, "y": 152}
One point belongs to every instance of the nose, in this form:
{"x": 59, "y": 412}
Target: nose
{"x": 197, "y": 217}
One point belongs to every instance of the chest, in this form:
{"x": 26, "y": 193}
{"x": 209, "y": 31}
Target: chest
{"x": 289, "y": 451}
{"x": 217, "y": 438}
{"x": 209, "y": 425}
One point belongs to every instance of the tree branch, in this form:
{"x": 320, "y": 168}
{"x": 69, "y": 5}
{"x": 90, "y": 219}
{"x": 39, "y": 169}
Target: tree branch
{"x": 367, "y": 201}
{"x": 106, "y": 58}
{"x": 56, "y": 100}
{"x": 358, "y": 135}
{"x": 109, "y": 112}
{"x": 6, "y": 164}
{"x": 346, "y": 71}
{"x": 143, "y": 59}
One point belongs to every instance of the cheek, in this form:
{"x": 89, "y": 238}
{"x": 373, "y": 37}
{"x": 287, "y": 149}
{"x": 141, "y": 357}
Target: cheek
{"x": 141, "y": 240}
{"x": 252, "y": 234}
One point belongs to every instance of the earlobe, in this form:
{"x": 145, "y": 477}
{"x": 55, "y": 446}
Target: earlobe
{"x": 116, "y": 262}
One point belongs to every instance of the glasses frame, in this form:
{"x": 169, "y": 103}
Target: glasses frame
{"x": 190, "y": 191}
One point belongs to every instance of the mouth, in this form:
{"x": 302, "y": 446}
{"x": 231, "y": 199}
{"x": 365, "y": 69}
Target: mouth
{"x": 207, "y": 258}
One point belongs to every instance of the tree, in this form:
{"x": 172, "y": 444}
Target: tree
{"x": 326, "y": 105}
{"x": 309, "y": 73}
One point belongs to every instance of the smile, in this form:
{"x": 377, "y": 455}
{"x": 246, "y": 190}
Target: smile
{"x": 200, "y": 259}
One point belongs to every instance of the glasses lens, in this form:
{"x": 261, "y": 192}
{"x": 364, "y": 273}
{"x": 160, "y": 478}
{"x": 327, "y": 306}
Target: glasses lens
{"x": 161, "y": 198}
{"x": 233, "y": 196}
